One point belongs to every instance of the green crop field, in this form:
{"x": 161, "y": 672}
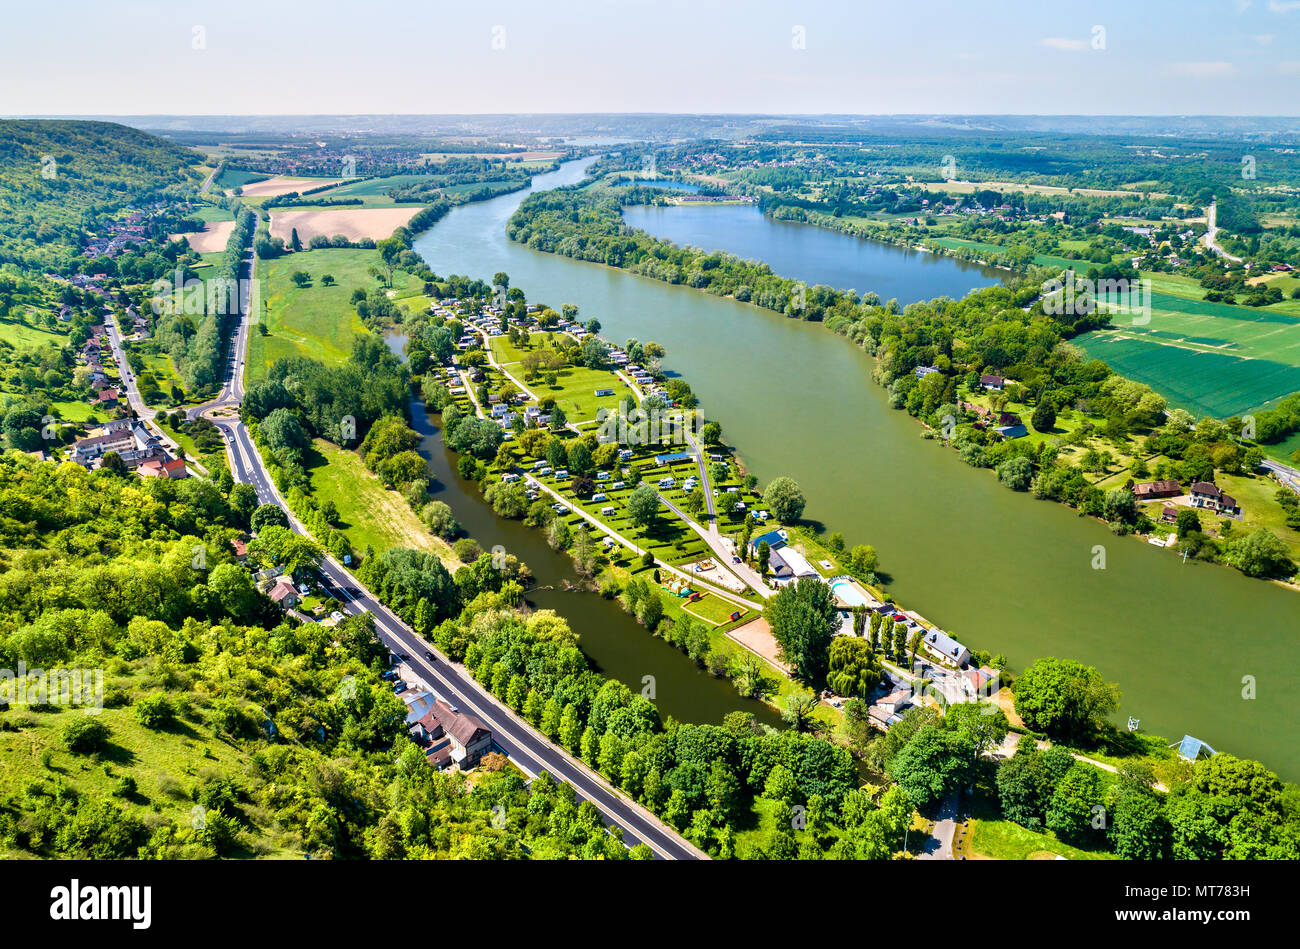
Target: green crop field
{"x": 1209, "y": 358}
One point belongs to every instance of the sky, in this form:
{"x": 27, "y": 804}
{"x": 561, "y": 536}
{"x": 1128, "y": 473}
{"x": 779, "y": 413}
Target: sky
{"x": 237, "y": 57}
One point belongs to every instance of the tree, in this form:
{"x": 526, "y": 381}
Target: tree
{"x": 854, "y": 670}
{"x": 1139, "y": 829}
{"x": 934, "y": 763}
{"x": 711, "y": 433}
{"x": 1187, "y": 522}
{"x": 784, "y": 499}
{"x": 983, "y": 723}
{"x": 268, "y": 515}
{"x": 155, "y": 710}
{"x": 1065, "y": 699}
{"x": 1120, "y": 506}
{"x": 643, "y": 507}
{"x": 803, "y": 620}
{"x": 1070, "y": 813}
{"x": 85, "y": 735}
{"x": 863, "y": 560}
{"x": 232, "y": 586}
{"x": 300, "y": 278}
{"x": 1044, "y": 417}
{"x": 438, "y": 518}
{"x": 1261, "y": 553}
{"x": 1016, "y": 473}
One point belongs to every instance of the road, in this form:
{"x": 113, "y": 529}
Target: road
{"x": 1212, "y": 233}
{"x": 526, "y": 748}
{"x": 939, "y": 846}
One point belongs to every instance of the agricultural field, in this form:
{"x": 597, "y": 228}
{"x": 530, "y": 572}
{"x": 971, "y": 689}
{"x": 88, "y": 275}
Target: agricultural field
{"x": 1209, "y": 358}
{"x": 212, "y": 239}
{"x": 352, "y": 222}
{"x": 278, "y": 185}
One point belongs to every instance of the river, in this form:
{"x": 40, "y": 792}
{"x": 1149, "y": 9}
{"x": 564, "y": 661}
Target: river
{"x": 618, "y": 646}
{"x": 1000, "y": 570}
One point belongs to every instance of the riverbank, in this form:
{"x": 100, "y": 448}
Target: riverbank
{"x": 962, "y": 550}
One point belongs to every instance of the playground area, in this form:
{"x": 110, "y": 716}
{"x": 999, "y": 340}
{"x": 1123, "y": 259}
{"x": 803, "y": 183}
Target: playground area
{"x": 713, "y": 609}
{"x": 710, "y": 571}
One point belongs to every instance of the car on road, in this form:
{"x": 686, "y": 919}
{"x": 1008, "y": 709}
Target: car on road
{"x": 430, "y": 656}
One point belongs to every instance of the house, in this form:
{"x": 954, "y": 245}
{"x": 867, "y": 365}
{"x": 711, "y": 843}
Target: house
{"x": 284, "y": 594}
{"x": 994, "y": 383}
{"x": 107, "y": 398}
{"x": 923, "y": 371}
{"x": 1169, "y": 514}
{"x": 890, "y": 708}
{"x": 1150, "y": 490}
{"x": 453, "y": 736}
{"x": 774, "y": 539}
{"x": 240, "y": 548}
{"x": 983, "y": 680}
{"x": 604, "y": 392}
{"x": 945, "y": 647}
{"x": 1207, "y": 495}
{"x": 788, "y": 565}
{"x": 159, "y": 468}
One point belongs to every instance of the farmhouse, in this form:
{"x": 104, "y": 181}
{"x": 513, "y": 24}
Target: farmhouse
{"x": 991, "y": 382}
{"x": 1207, "y": 495}
{"x": 945, "y": 647}
{"x": 1150, "y": 490}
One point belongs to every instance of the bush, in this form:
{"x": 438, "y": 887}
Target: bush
{"x": 85, "y": 736}
{"x": 155, "y": 711}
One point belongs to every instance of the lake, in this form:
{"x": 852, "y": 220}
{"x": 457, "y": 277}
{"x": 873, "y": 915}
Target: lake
{"x": 813, "y": 254}
{"x": 1000, "y": 570}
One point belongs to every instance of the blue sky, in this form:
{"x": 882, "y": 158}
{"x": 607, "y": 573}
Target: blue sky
{"x": 1146, "y": 57}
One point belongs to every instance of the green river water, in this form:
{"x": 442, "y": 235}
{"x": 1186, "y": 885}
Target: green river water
{"x": 998, "y": 569}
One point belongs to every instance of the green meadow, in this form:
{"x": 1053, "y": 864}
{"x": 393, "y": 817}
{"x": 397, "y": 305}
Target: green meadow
{"x": 316, "y": 320}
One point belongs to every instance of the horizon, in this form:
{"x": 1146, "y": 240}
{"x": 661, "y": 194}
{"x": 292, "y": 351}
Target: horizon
{"x": 1208, "y": 57}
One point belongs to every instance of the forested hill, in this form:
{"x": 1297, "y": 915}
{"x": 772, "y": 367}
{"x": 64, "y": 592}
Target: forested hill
{"x": 57, "y": 178}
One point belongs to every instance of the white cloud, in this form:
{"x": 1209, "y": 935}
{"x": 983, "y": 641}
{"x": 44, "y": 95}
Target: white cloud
{"x": 1283, "y": 6}
{"x": 1291, "y": 68}
{"x": 1203, "y": 70}
{"x": 1264, "y": 39}
{"x": 1068, "y": 45}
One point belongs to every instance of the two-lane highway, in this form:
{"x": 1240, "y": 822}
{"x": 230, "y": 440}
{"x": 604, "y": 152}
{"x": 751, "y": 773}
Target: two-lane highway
{"x": 531, "y": 752}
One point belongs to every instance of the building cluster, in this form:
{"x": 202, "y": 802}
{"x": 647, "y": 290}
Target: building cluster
{"x": 447, "y": 736}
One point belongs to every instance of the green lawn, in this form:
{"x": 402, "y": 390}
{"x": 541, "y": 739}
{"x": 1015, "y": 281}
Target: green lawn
{"x": 999, "y": 839}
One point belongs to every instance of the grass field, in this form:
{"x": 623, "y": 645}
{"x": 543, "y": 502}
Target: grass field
{"x": 371, "y": 515}
{"x": 713, "y": 610}
{"x": 22, "y": 336}
{"x": 316, "y": 320}
{"x": 165, "y": 763}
